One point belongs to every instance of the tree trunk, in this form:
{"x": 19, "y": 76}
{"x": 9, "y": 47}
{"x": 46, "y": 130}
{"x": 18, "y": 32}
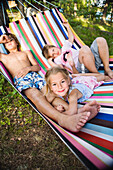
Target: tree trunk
{"x": 4, "y": 19}
{"x": 105, "y": 11}
{"x": 111, "y": 12}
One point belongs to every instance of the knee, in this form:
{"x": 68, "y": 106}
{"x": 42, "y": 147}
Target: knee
{"x": 32, "y": 93}
{"x": 101, "y": 40}
{"x": 84, "y": 50}
{"x": 84, "y": 53}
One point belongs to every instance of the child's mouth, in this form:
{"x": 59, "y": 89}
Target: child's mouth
{"x": 61, "y": 91}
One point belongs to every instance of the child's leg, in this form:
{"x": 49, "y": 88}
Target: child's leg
{"x": 104, "y": 55}
{"x": 87, "y": 58}
{"x": 73, "y": 123}
{"x": 102, "y": 77}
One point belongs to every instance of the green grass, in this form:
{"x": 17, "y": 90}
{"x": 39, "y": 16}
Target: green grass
{"x": 88, "y": 31}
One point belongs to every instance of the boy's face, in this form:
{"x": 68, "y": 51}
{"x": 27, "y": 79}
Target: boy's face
{"x": 59, "y": 85}
{"x": 54, "y": 52}
{"x": 10, "y": 44}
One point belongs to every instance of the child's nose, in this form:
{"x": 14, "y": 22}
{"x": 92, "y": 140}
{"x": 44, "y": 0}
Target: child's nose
{"x": 59, "y": 86}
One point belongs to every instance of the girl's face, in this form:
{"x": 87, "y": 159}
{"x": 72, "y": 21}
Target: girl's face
{"x": 59, "y": 85}
{"x": 54, "y": 52}
{"x": 11, "y": 44}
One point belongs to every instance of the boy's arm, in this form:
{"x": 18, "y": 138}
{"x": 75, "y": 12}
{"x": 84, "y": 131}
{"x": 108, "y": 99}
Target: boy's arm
{"x": 34, "y": 65}
{"x": 70, "y": 34}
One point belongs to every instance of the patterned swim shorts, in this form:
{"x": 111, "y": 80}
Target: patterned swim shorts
{"x": 31, "y": 80}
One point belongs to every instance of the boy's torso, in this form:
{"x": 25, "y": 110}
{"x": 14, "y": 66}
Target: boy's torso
{"x": 15, "y": 61}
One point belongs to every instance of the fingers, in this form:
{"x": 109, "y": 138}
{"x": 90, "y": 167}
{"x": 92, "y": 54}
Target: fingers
{"x": 21, "y": 74}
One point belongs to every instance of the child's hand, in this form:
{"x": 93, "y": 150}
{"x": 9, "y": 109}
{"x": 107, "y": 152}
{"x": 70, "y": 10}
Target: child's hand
{"x": 60, "y": 108}
{"x": 66, "y": 24}
{"x": 4, "y": 38}
{"x": 70, "y": 60}
{"x": 23, "y": 72}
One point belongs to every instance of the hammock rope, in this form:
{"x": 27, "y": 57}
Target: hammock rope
{"x": 22, "y": 4}
{"x": 41, "y": 4}
{"x": 26, "y": 8}
{"x": 33, "y": 6}
{"x": 3, "y": 12}
{"x": 20, "y": 12}
{"x": 51, "y": 4}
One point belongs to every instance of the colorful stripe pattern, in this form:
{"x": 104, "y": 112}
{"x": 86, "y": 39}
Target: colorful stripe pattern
{"x": 93, "y": 145}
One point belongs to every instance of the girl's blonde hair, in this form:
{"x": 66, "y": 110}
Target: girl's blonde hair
{"x": 45, "y": 50}
{"x": 54, "y": 71}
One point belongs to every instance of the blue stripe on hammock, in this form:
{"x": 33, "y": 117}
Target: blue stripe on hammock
{"x": 106, "y": 83}
{"x": 105, "y": 116}
{"x": 1, "y": 32}
{"x": 35, "y": 32}
{"x": 100, "y": 129}
{"x": 59, "y": 24}
{"x": 3, "y": 49}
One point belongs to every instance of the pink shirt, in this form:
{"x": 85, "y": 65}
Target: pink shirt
{"x": 67, "y": 48}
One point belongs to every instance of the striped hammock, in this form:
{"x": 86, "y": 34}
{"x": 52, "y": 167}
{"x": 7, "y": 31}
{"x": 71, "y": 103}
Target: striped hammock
{"x": 93, "y": 145}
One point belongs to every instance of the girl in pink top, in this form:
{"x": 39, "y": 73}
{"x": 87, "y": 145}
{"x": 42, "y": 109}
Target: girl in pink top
{"x": 82, "y": 60}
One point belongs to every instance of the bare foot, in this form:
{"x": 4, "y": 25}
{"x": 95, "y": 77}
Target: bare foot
{"x": 109, "y": 73}
{"x": 74, "y": 122}
{"x": 107, "y": 78}
{"x": 93, "y": 107}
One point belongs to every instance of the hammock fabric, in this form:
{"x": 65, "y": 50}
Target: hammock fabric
{"x": 93, "y": 145}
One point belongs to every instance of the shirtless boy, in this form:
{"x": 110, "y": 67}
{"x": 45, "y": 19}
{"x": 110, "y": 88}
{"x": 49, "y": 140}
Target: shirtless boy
{"x": 21, "y": 64}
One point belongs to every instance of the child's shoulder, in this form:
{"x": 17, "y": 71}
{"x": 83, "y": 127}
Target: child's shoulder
{"x": 3, "y": 55}
{"x": 28, "y": 52}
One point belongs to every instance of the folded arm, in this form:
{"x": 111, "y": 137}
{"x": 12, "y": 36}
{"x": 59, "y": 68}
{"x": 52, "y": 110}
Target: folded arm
{"x": 33, "y": 67}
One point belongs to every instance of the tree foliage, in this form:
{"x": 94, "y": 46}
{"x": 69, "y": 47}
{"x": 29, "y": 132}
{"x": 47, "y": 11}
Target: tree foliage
{"x": 89, "y": 8}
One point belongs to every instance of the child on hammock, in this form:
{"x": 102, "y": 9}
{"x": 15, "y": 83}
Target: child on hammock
{"x": 79, "y": 61}
{"x": 24, "y": 70}
{"x": 77, "y": 89}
